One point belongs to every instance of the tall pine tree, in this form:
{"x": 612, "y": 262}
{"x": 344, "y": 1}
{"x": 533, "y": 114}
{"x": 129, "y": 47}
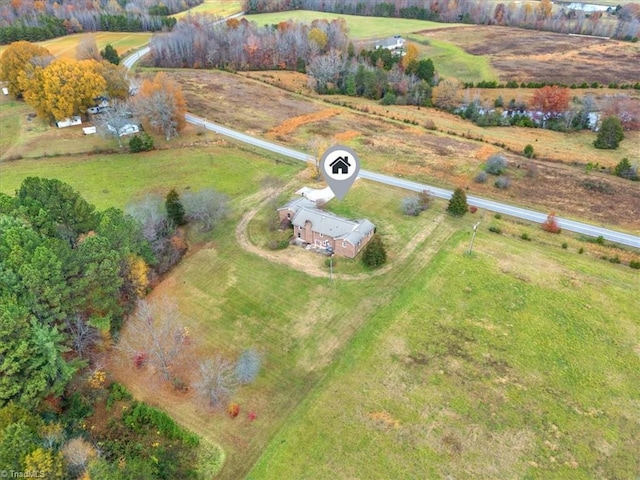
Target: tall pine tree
{"x": 175, "y": 210}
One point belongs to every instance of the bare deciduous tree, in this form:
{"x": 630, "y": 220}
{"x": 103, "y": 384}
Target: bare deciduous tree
{"x": 217, "y": 382}
{"x": 206, "y": 207}
{"x": 82, "y": 334}
{"x": 156, "y": 330}
{"x": 87, "y": 49}
{"x": 161, "y": 105}
{"x": 113, "y": 119}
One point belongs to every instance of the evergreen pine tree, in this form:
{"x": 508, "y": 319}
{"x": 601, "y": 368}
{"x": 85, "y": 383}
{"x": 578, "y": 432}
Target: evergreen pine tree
{"x": 374, "y": 253}
{"x": 458, "y": 203}
{"x": 610, "y": 134}
{"x": 175, "y": 210}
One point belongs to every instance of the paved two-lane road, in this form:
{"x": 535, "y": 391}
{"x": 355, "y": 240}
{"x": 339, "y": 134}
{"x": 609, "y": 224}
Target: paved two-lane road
{"x": 522, "y": 213}
{"x": 493, "y": 206}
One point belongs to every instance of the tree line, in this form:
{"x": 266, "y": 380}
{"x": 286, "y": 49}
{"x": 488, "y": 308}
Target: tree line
{"x": 199, "y": 41}
{"x": 622, "y": 22}
{"x": 36, "y": 20}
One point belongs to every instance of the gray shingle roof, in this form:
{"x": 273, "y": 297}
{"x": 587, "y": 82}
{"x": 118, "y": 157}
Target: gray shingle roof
{"x": 327, "y": 223}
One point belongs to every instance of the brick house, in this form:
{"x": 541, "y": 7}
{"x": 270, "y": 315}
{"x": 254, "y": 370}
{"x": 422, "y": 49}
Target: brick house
{"x": 326, "y": 230}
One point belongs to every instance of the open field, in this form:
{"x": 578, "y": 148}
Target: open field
{"x": 529, "y": 55}
{"x": 114, "y": 180}
{"x": 123, "y": 42}
{"x": 360, "y": 28}
{"x": 221, "y": 8}
{"x": 233, "y": 300}
{"x": 451, "y": 60}
{"x": 516, "y": 363}
{"x": 304, "y": 325}
{"x": 412, "y": 151}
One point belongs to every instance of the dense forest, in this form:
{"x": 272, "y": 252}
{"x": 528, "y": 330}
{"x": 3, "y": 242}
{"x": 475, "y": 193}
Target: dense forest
{"x": 68, "y": 277}
{"x": 36, "y": 20}
{"x": 621, "y": 22}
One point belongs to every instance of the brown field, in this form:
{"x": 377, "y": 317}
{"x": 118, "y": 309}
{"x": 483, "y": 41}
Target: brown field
{"x": 528, "y": 55}
{"x": 554, "y": 181}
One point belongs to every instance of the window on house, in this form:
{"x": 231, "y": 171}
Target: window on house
{"x": 288, "y": 215}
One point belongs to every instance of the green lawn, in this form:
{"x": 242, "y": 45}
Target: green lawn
{"x": 10, "y": 112}
{"x": 452, "y": 61}
{"x": 359, "y": 27}
{"x": 114, "y": 180}
{"x": 520, "y": 362}
{"x": 221, "y": 8}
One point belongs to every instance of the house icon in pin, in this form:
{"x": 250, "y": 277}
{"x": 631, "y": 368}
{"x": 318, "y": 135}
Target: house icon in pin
{"x": 340, "y": 165}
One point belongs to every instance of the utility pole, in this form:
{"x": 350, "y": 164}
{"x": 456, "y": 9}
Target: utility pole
{"x": 473, "y": 236}
{"x": 331, "y": 268}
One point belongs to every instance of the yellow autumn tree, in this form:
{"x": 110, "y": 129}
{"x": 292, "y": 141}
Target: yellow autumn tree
{"x": 72, "y": 86}
{"x": 161, "y": 105}
{"x": 13, "y": 61}
{"x": 317, "y": 36}
{"x": 138, "y": 275}
{"x": 64, "y": 88}
{"x": 45, "y": 462}
{"x": 411, "y": 55}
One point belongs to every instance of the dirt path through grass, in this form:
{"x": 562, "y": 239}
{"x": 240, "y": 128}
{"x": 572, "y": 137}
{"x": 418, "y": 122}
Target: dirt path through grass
{"x": 298, "y": 259}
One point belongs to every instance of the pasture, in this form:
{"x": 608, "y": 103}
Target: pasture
{"x": 360, "y": 28}
{"x": 123, "y": 42}
{"x": 393, "y": 140}
{"x": 220, "y": 8}
{"x": 319, "y": 339}
{"x": 518, "y": 362}
{"x": 529, "y": 55}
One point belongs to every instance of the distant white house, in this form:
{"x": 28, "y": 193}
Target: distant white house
{"x": 395, "y": 44}
{"x": 5, "y": 91}
{"x": 128, "y": 129}
{"x": 69, "y": 122}
{"x": 588, "y": 7}
{"x": 89, "y": 130}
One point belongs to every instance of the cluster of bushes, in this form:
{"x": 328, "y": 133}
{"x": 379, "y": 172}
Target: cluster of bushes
{"x": 496, "y": 165}
{"x": 141, "y": 143}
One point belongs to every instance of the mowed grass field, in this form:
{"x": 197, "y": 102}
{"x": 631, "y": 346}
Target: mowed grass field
{"x": 519, "y": 362}
{"x": 360, "y": 28}
{"x": 475, "y": 367}
{"x": 123, "y": 42}
{"x": 115, "y": 180}
{"x": 221, "y": 8}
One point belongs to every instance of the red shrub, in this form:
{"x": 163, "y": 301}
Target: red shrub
{"x": 140, "y": 359}
{"x": 252, "y": 416}
{"x": 551, "y": 224}
{"x": 473, "y": 209}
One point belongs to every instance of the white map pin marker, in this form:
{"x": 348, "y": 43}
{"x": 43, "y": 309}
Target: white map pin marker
{"x": 340, "y": 166}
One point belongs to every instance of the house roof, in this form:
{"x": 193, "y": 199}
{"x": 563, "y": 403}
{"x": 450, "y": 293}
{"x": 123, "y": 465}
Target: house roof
{"x": 327, "y": 223}
{"x": 390, "y": 42}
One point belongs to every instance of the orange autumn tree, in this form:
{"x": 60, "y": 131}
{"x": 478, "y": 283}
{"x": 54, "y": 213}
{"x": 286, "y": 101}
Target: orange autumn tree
{"x": 552, "y": 101}
{"x": 161, "y": 105}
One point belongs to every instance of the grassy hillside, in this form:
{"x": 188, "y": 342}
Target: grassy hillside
{"x": 221, "y": 8}
{"x": 516, "y": 363}
{"x": 360, "y": 28}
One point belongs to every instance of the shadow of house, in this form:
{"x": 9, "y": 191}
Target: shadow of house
{"x": 324, "y": 230}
